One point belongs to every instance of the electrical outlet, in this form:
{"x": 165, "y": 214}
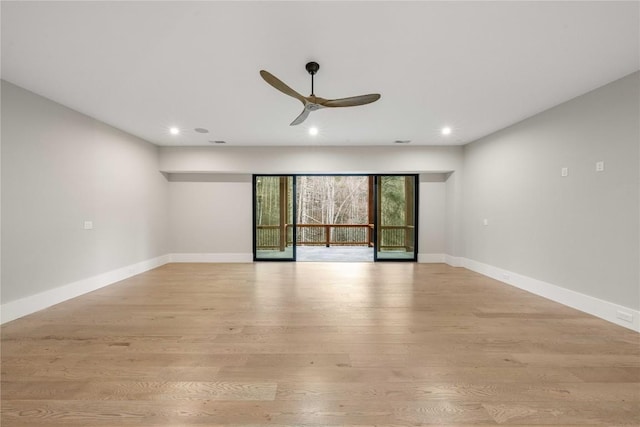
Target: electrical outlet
{"x": 622, "y": 315}
{"x": 88, "y": 225}
{"x": 564, "y": 172}
{"x": 485, "y": 221}
{"x": 599, "y": 166}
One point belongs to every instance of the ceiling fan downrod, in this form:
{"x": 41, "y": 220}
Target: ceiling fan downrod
{"x": 312, "y": 68}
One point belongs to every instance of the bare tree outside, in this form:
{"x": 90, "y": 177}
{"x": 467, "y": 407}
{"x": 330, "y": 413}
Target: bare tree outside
{"x": 332, "y": 200}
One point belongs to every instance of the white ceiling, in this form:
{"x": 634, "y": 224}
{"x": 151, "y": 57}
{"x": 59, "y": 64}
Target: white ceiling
{"x": 475, "y": 66}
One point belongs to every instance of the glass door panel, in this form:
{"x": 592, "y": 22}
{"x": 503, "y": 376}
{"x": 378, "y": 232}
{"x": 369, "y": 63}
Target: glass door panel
{"x": 273, "y": 218}
{"x": 396, "y": 228}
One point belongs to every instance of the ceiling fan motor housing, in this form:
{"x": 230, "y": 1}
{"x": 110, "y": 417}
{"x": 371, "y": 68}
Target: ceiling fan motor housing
{"x": 312, "y": 67}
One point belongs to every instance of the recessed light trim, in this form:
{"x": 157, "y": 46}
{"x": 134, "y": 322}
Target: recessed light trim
{"x": 174, "y": 130}
{"x": 313, "y": 131}
{"x": 446, "y": 130}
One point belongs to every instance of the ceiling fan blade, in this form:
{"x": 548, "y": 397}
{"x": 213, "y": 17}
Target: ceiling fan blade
{"x": 280, "y": 85}
{"x": 352, "y": 101}
{"x": 301, "y": 118}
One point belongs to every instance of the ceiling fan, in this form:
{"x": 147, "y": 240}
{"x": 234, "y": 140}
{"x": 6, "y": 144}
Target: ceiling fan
{"x": 313, "y": 102}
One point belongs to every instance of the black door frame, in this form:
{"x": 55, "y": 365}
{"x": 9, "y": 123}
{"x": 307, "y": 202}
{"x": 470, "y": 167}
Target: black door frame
{"x": 375, "y": 213}
{"x": 253, "y": 215}
{"x": 416, "y": 201}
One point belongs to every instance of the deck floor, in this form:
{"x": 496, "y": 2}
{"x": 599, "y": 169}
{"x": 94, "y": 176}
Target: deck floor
{"x": 334, "y": 254}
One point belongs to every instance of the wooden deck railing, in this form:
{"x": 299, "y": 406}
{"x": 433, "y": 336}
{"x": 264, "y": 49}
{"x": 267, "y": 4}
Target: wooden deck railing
{"x": 268, "y": 237}
{"x": 391, "y": 236}
{"x": 396, "y": 237}
{"x": 335, "y": 234}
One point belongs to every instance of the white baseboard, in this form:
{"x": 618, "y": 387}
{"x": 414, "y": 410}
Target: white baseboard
{"x": 24, "y": 306}
{"x": 213, "y": 257}
{"x": 588, "y": 304}
{"x": 454, "y": 261}
{"x": 431, "y": 258}
{"x": 603, "y": 309}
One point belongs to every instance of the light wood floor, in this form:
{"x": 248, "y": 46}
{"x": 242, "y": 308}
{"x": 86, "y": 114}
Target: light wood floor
{"x": 316, "y": 344}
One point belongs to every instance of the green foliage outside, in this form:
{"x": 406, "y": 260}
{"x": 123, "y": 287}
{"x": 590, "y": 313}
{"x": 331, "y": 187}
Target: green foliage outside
{"x": 393, "y": 200}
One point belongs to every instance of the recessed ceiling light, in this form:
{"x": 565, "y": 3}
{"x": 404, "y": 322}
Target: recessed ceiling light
{"x": 201, "y": 130}
{"x": 402, "y": 141}
{"x": 313, "y": 131}
{"x": 174, "y": 130}
{"x": 446, "y": 130}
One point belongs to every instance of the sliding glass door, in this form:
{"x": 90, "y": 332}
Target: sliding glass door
{"x": 396, "y": 224}
{"x": 387, "y": 211}
{"x": 274, "y": 231}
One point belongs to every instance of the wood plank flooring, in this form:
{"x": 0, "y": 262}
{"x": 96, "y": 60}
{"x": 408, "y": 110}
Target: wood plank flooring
{"x": 316, "y": 344}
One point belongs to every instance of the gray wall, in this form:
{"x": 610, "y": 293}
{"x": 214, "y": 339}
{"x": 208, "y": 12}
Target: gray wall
{"x": 580, "y": 231}
{"x": 197, "y": 195}
{"x": 432, "y": 221}
{"x": 59, "y": 169}
{"x": 311, "y": 159}
{"x": 210, "y": 213}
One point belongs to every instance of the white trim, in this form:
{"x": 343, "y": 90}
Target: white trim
{"x": 431, "y": 258}
{"x": 603, "y": 309}
{"x": 213, "y": 257}
{"x": 454, "y": 261}
{"x": 27, "y": 305}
